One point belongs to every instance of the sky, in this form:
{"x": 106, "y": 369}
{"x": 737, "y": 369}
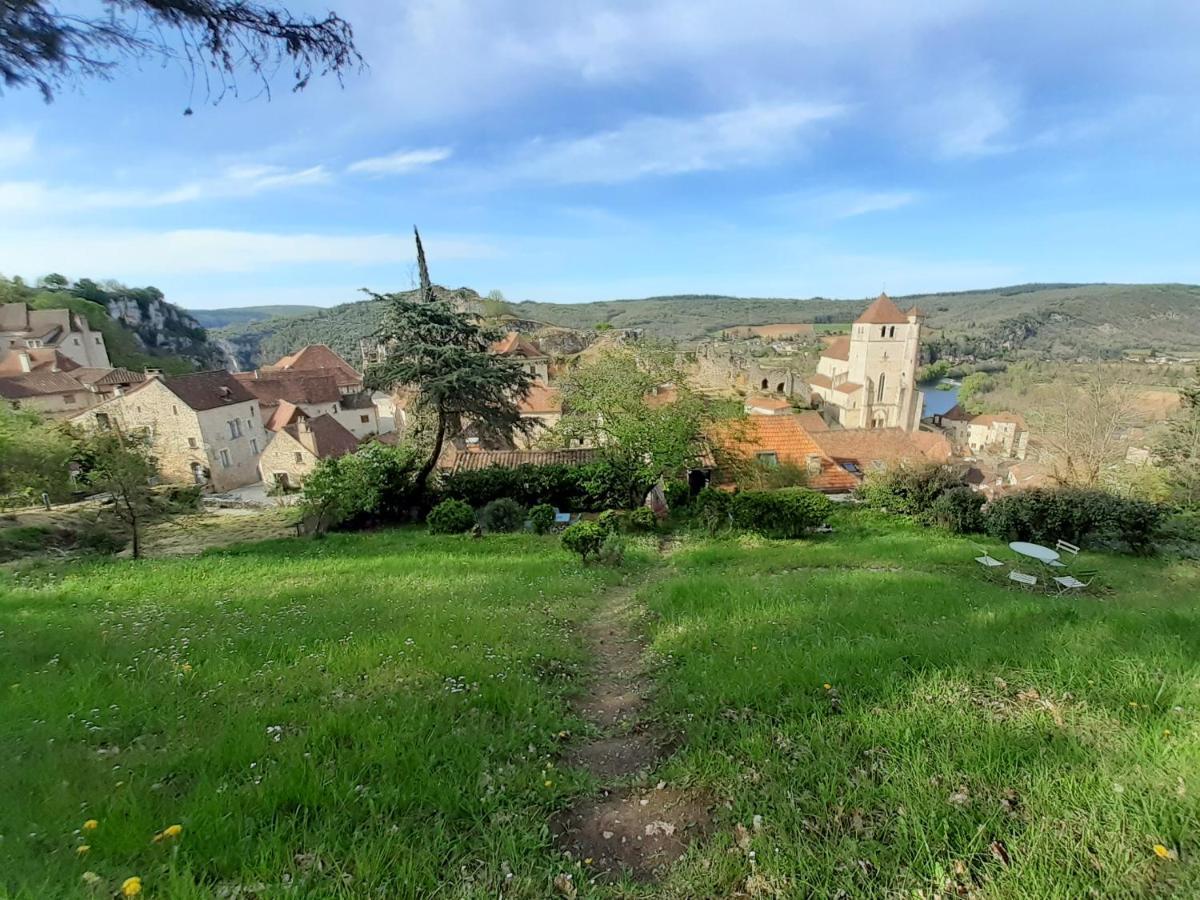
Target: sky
{"x": 564, "y": 151}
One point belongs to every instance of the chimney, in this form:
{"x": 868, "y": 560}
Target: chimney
{"x": 23, "y": 358}
{"x": 153, "y": 373}
{"x": 302, "y": 425}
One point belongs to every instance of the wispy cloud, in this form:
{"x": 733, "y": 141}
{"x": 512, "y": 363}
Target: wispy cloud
{"x": 233, "y": 182}
{"x": 136, "y": 255}
{"x": 976, "y": 118}
{"x": 843, "y": 203}
{"x": 660, "y": 145}
{"x": 15, "y": 147}
{"x": 401, "y": 162}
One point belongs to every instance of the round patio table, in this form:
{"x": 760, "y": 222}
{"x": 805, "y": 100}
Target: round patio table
{"x": 1034, "y": 551}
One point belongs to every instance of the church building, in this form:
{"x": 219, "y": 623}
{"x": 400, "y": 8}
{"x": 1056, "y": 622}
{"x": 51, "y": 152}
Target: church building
{"x": 868, "y": 380}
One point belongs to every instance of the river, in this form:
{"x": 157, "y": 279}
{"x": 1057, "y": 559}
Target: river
{"x": 936, "y": 401}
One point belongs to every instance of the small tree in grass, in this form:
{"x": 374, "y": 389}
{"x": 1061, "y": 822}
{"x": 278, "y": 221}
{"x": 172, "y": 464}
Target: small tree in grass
{"x": 121, "y": 465}
{"x": 444, "y": 355}
{"x": 584, "y": 539}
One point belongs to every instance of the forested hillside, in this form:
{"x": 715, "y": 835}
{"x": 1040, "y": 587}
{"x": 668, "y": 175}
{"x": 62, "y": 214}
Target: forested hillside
{"x": 140, "y": 327}
{"x": 1093, "y": 321}
{"x": 244, "y": 315}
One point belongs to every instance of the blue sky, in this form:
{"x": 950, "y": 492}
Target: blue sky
{"x": 568, "y": 151}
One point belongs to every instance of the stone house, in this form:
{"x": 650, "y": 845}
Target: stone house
{"x": 315, "y": 393}
{"x": 768, "y": 406}
{"x": 318, "y": 359}
{"x": 542, "y": 408}
{"x": 204, "y": 427}
{"x": 1003, "y": 434}
{"x": 50, "y": 392}
{"x": 530, "y": 355}
{"x": 295, "y": 449}
{"x": 108, "y": 383}
{"x": 22, "y": 328}
{"x": 868, "y": 380}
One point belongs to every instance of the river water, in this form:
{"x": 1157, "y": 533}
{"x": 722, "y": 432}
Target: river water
{"x": 938, "y": 402}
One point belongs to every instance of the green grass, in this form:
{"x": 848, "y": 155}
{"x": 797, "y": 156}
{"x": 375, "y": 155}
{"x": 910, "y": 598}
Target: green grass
{"x": 417, "y": 686}
{"x": 371, "y": 715}
{"x": 1062, "y": 731}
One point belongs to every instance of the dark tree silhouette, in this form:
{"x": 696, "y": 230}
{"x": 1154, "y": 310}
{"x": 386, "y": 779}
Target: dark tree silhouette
{"x": 42, "y": 47}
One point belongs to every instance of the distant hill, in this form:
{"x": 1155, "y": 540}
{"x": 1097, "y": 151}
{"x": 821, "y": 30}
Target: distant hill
{"x": 1066, "y": 321}
{"x": 244, "y": 315}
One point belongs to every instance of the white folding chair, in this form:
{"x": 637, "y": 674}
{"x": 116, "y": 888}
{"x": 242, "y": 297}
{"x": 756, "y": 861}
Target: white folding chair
{"x": 1071, "y": 583}
{"x": 988, "y": 562}
{"x": 1022, "y": 578}
{"x": 1063, "y": 547}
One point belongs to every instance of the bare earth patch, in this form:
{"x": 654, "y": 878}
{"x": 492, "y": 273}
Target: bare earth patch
{"x": 639, "y": 831}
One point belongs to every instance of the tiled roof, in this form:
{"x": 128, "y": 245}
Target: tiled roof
{"x": 882, "y": 312}
{"x": 821, "y": 381}
{"x": 866, "y": 447}
{"x": 510, "y": 459}
{"x": 324, "y": 436}
{"x": 44, "y": 358}
{"x": 316, "y": 357}
{"x": 284, "y": 413}
{"x": 790, "y": 441}
{"x": 293, "y": 386}
{"x": 812, "y": 421}
{"x": 38, "y": 384}
{"x": 839, "y": 348}
{"x": 956, "y": 414}
{"x": 848, "y": 387}
{"x": 101, "y": 376}
{"x": 1003, "y": 417}
{"x": 761, "y": 402}
{"x": 202, "y": 390}
{"x": 512, "y": 344}
{"x": 541, "y": 399}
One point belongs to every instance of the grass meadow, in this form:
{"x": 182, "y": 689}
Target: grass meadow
{"x": 381, "y": 715}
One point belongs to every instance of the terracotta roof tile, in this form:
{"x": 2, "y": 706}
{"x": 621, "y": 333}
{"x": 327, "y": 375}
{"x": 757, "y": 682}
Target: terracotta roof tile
{"x": 118, "y": 376}
{"x": 848, "y": 387}
{"x": 513, "y": 344}
{"x": 38, "y": 384}
{"x": 866, "y": 447}
{"x": 882, "y": 312}
{"x": 293, "y": 386}
{"x": 1003, "y": 417}
{"x": 839, "y": 348}
{"x": 510, "y": 459}
{"x": 821, "y": 381}
{"x": 790, "y": 441}
{"x": 541, "y": 399}
{"x": 761, "y": 402}
{"x": 324, "y": 436}
{"x": 45, "y": 358}
{"x": 316, "y": 357}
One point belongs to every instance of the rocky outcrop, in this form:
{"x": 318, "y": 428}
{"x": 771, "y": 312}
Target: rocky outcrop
{"x": 162, "y": 328}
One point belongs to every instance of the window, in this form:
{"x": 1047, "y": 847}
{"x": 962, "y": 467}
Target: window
{"x": 102, "y": 421}
{"x": 69, "y": 399}
{"x": 249, "y": 425}
{"x": 879, "y": 393}
{"x": 224, "y": 458}
{"x": 235, "y": 428}
{"x": 883, "y": 331}
{"x": 192, "y": 444}
{"x": 299, "y": 456}
{"x": 768, "y": 459}
{"x": 254, "y": 446}
{"x": 75, "y": 341}
{"x": 892, "y": 331}
{"x": 335, "y": 407}
{"x": 174, "y": 410}
{"x": 364, "y": 419}
{"x": 99, "y": 339}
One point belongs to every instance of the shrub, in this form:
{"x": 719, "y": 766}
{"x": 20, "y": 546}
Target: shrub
{"x": 643, "y": 519}
{"x": 1082, "y": 516}
{"x": 588, "y": 488}
{"x": 504, "y": 514}
{"x": 786, "y": 513}
{"x": 450, "y": 517}
{"x": 677, "y": 494}
{"x": 711, "y": 509}
{"x": 959, "y": 510}
{"x": 541, "y": 518}
{"x": 908, "y": 490}
{"x": 612, "y": 551}
{"x": 584, "y": 538}
{"x": 610, "y": 520}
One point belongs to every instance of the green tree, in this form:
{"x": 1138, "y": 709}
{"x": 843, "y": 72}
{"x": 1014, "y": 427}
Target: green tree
{"x": 1179, "y": 449}
{"x": 970, "y": 394}
{"x": 33, "y": 454}
{"x": 121, "y": 466}
{"x": 444, "y": 355}
{"x": 44, "y": 47}
{"x": 634, "y": 404}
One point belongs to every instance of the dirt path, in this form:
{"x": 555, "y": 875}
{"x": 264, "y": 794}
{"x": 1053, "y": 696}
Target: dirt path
{"x": 632, "y": 825}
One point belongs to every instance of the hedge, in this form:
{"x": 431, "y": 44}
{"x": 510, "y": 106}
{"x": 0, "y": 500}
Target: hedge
{"x": 588, "y": 488}
{"x": 786, "y": 513}
{"x": 1081, "y": 516}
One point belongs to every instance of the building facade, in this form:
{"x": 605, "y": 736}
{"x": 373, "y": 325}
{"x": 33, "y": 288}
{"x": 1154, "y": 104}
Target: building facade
{"x": 22, "y": 328}
{"x": 295, "y": 450}
{"x": 868, "y": 380}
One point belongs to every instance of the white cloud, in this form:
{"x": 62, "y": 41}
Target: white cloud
{"x": 15, "y": 147}
{"x": 141, "y": 255}
{"x": 659, "y": 145}
{"x": 234, "y": 182}
{"x": 844, "y": 203}
{"x": 975, "y": 118}
{"x": 400, "y": 162}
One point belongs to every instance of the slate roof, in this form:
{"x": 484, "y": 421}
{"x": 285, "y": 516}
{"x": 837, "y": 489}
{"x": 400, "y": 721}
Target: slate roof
{"x": 510, "y": 459}
{"x": 882, "y": 312}
{"x": 325, "y": 437}
{"x": 202, "y": 390}
{"x": 38, "y": 384}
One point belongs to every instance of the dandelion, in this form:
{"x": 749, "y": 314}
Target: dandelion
{"x": 91, "y": 825}
{"x": 549, "y": 783}
{"x": 1164, "y": 852}
{"x": 185, "y": 668}
{"x": 171, "y": 831}
{"x": 1166, "y": 732}
{"x": 827, "y": 685}
{"x": 131, "y": 887}
{"x": 82, "y": 849}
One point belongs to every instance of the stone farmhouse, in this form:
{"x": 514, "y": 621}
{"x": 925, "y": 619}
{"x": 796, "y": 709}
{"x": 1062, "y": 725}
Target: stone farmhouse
{"x": 868, "y": 380}
{"x": 318, "y": 359}
{"x": 296, "y": 448}
{"x": 532, "y": 358}
{"x": 51, "y": 392}
{"x": 204, "y": 427}
{"x": 1002, "y": 434}
{"x": 542, "y": 408}
{"x": 281, "y": 392}
{"x": 22, "y": 328}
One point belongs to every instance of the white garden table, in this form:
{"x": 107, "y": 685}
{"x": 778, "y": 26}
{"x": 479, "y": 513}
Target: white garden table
{"x": 1034, "y": 551}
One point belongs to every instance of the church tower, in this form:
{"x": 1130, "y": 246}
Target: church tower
{"x": 885, "y": 350}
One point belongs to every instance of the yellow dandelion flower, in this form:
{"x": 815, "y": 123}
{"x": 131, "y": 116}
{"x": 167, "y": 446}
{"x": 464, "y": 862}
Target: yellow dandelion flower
{"x": 1165, "y": 852}
{"x": 91, "y": 825}
{"x": 549, "y": 783}
{"x": 82, "y": 849}
{"x": 827, "y": 685}
{"x": 588, "y": 861}
{"x": 1166, "y": 732}
{"x": 171, "y": 831}
{"x": 185, "y": 668}
{"x": 131, "y": 887}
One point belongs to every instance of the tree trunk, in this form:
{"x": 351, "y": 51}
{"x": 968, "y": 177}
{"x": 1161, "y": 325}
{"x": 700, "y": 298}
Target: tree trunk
{"x": 423, "y": 474}
{"x": 137, "y": 540}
